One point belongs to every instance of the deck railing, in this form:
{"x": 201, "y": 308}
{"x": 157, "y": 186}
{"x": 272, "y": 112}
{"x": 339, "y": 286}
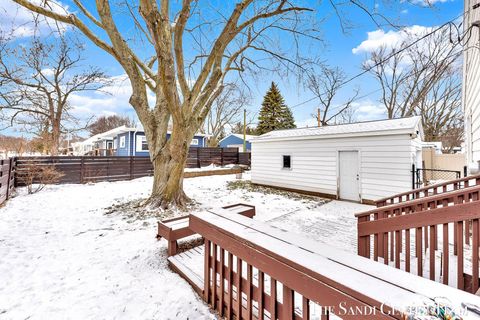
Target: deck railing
{"x": 253, "y": 271}
{"x": 421, "y": 236}
{"x": 433, "y": 189}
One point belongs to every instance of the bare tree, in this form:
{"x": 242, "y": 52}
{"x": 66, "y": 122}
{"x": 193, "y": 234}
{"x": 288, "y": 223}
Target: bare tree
{"x": 16, "y": 146}
{"x": 441, "y": 111}
{"x": 105, "y": 123}
{"x": 325, "y": 86}
{"x": 226, "y": 110}
{"x": 36, "y": 84}
{"x": 409, "y": 75}
{"x": 186, "y": 52}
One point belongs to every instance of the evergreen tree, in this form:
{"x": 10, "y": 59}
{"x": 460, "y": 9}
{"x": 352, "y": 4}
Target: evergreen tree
{"x": 274, "y": 114}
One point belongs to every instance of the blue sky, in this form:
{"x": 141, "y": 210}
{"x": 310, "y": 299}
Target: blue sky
{"x": 338, "y": 50}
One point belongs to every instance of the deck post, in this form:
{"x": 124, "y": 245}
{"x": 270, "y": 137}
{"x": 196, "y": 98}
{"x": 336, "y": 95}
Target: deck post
{"x": 206, "y": 277}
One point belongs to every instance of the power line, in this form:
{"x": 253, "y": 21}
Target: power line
{"x": 394, "y": 52}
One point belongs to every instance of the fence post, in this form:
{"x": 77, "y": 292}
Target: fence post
{"x": 221, "y": 157}
{"x": 82, "y": 169}
{"x": 131, "y": 167}
{"x": 413, "y": 176}
{"x": 198, "y": 158}
{"x": 10, "y": 168}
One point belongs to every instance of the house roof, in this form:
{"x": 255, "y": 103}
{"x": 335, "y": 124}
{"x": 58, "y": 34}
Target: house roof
{"x": 240, "y": 136}
{"x": 411, "y": 125}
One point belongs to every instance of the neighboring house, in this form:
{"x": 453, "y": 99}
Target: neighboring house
{"x": 360, "y": 161}
{"x": 102, "y": 144}
{"x": 471, "y": 83}
{"x": 133, "y": 142}
{"x": 235, "y": 140}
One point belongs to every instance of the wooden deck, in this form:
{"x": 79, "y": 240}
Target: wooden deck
{"x": 284, "y": 276}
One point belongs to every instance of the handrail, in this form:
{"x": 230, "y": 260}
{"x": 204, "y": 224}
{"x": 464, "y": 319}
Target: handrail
{"x": 260, "y": 262}
{"x": 456, "y": 213}
{"x": 414, "y": 204}
{"x": 429, "y": 190}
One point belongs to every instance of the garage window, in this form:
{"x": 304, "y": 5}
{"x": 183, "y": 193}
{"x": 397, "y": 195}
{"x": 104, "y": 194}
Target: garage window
{"x": 287, "y": 162}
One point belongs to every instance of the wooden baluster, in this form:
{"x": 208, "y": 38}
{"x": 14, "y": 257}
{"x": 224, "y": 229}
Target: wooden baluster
{"x": 249, "y": 291}
{"x": 239, "y": 288}
{"x": 363, "y": 242}
{"x": 381, "y": 238}
{"x": 432, "y": 253}
{"x": 398, "y": 245}
{"x": 288, "y": 303}
{"x": 392, "y": 242}
{"x": 305, "y": 309}
{"x": 325, "y": 315}
{"x": 418, "y": 249}
{"x": 407, "y": 250}
{"x": 385, "y": 247}
{"x": 230, "y": 287}
{"x": 214, "y": 277}
{"x": 446, "y": 254}
{"x": 261, "y": 294}
{"x": 460, "y": 281}
{"x": 375, "y": 240}
{"x": 273, "y": 299}
{"x": 467, "y": 232}
{"x": 222, "y": 282}
{"x": 206, "y": 289}
{"x": 475, "y": 243}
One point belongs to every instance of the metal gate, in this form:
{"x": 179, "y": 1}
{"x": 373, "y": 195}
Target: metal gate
{"x": 425, "y": 177}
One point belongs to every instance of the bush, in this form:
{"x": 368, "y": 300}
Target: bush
{"x": 36, "y": 177}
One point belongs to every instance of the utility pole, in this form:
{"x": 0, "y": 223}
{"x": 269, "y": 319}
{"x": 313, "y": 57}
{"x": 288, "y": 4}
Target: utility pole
{"x": 318, "y": 117}
{"x": 244, "y": 130}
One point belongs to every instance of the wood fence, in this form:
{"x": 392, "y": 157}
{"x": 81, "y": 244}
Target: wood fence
{"x": 7, "y": 169}
{"x": 83, "y": 169}
{"x": 255, "y": 271}
{"x": 435, "y": 236}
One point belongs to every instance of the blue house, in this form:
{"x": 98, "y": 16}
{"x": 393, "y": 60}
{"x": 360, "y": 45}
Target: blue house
{"x": 132, "y": 142}
{"x": 234, "y": 140}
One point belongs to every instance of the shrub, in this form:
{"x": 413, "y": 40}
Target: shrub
{"x": 36, "y": 177}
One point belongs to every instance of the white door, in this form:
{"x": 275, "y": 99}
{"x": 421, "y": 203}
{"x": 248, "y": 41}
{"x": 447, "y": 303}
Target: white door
{"x": 349, "y": 175}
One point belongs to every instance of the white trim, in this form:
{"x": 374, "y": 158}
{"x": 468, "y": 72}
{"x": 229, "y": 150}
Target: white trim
{"x": 122, "y": 142}
{"x": 196, "y": 143}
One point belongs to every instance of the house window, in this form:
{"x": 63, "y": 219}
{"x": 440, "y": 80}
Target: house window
{"x": 122, "y": 142}
{"x": 194, "y": 142}
{"x": 287, "y": 162}
{"x": 142, "y": 144}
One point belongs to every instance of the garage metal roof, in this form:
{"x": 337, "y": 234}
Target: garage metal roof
{"x": 411, "y": 125}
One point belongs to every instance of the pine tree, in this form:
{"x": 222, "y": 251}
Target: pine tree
{"x": 274, "y": 114}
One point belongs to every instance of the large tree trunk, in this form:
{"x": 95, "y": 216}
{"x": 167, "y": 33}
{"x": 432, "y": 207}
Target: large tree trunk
{"x": 54, "y": 143}
{"x": 168, "y": 170}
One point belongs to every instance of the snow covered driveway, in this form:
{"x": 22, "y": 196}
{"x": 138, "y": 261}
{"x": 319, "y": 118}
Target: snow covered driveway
{"x": 62, "y": 257}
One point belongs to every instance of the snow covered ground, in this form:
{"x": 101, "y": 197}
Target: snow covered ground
{"x": 62, "y": 257}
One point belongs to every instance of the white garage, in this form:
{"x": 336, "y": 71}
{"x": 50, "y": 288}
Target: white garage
{"x": 362, "y": 161}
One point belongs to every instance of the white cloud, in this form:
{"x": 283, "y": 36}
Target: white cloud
{"x": 390, "y": 39}
{"x": 427, "y": 3}
{"x": 368, "y": 110}
{"x": 113, "y": 99}
{"x": 18, "y": 22}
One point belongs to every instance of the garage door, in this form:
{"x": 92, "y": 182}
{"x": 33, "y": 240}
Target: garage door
{"x": 349, "y": 175}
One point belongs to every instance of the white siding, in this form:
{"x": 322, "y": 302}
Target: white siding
{"x": 385, "y": 164}
{"x": 471, "y": 84}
